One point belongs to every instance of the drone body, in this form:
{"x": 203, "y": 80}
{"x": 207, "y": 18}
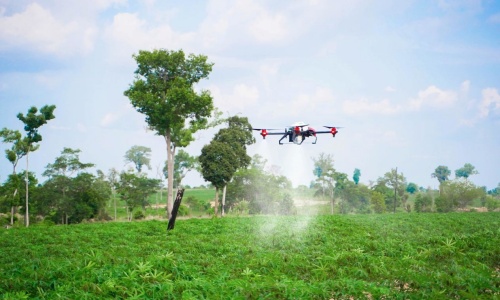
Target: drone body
{"x": 297, "y": 133}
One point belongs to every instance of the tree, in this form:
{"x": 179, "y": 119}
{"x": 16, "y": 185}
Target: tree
{"x": 466, "y": 171}
{"x": 217, "y": 162}
{"x": 163, "y": 92}
{"x": 139, "y": 156}
{"x": 17, "y": 151}
{"x": 378, "y": 202}
{"x": 356, "y": 175}
{"x": 397, "y": 182}
{"x": 259, "y": 190}
{"x": 442, "y": 174}
{"x": 62, "y": 184}
{"x": 182, "y": 165}
{"x": 412, "y": 188}
{"x": 32, "y": 122}
{"x": 238, "y": 135}
{"x": 423, "y": 202}
{"x": 325, "y": 182}
{"x": 135, "y": 189}
{"x": 460, "y": 193}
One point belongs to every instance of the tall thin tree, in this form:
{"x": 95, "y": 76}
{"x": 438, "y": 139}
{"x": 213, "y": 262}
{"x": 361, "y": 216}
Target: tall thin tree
{"x": 32, "y": 122}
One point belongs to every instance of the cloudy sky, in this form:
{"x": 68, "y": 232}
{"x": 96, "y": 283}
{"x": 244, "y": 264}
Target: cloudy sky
{"x": 415, "y": 84}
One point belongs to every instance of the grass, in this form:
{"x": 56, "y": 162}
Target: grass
{"x": 401, "y": 256}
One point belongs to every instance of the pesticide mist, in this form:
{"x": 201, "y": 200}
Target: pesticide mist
{"x": 293, "y": 162}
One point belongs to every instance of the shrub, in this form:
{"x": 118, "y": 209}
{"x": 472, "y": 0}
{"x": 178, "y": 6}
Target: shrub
{"x": 138, "y": 215}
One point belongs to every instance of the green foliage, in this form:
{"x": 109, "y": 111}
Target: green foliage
{"x": 356, "y": 175}
{"x": 139, "y": 215}
{"x": 412, "y": 188}
{"x": 423, "y": 202}
{"x": 217, "y": 163}
{"x": 466, "y": 171}
{"x": 492, "y": 204}
{"x": 183, "y": 163}
{"x": 460, "y": 193}
{"x": 263, "y": 190}
{"x": 135, "y": 189}
{"x": 139, "y": 156}
{"x": 378, "y": 202}
{"x": 442, "y": 173}
{"x": 390, "y": 256}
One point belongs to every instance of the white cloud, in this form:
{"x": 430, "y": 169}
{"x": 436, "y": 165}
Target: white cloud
{"x": 240, "y": 98}
{"x": 354, "y": 107}
{"x": 494, "y": 18}
{"x": 490, "y": 102}
{"x": 433, "y": 97}
{"x": 128, "y": 33}
{"x": 389, "y": 89}
{"x": 269, "y": 28}
{"x": 36, "y": 27}
{"x": 465, "y": 86}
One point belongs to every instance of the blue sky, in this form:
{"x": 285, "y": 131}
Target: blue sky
{"x": 415, "y": 84}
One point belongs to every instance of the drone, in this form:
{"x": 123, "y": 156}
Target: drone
{"x": 297, "y": 133}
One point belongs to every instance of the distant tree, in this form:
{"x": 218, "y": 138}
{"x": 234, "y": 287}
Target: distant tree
{"x": 113, "y": 181}
{"x": 182, "y": 165}
{"x": 32, "y": 122}
{"x": 325, "y": 182}
{"x": 17, "y": 151}
{"x": 63, "y": 186}
{"x": 378, "y": 202}
{"x": 397, "y": 182}
{"x": 218, "y": 165}
{"x": 163, "y": 91}
{"x": 238, "y": 135}
{"x": 134, "y": 189}
{"x": 412, "y": 188}
{"x": 466, "y": 171}
{"x": 423, "y": 202}
{"x": 356, "y": 175}
{"x": 460, "y": 193}
{"x": 139, "y": 156}
{"x": 257, "y": 189}
{"x": 442, "y": 174}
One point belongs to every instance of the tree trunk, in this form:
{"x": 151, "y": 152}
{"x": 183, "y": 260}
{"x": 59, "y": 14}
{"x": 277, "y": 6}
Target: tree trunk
{"x": 222, "y": 211}
{"x": 177, "y": 204}
{"x": 27, "y": 217}
{"x": 170, "y": 171}
{"x": 333, "y": 201}
{"x": 114, "y": 200}
{"x": 216, "y": 201}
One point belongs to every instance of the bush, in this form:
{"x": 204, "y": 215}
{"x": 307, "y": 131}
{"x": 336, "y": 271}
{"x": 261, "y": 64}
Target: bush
{"x": 138, "y": 215}
{"x": 183, "y": 210}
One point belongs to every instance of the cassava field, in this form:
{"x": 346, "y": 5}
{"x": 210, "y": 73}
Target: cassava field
{"x": 389, "y": 256}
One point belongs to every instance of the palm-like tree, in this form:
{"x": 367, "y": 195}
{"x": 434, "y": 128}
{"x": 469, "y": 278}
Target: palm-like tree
{"x": 442, "y": 173}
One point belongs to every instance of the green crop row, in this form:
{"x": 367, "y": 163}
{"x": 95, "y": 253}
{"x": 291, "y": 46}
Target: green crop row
{"x": 401, "y": 256}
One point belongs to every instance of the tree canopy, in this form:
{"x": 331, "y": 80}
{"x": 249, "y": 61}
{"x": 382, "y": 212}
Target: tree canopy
{"x": 163, "y": 91}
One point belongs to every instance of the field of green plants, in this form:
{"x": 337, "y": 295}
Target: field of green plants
{"x": 387, "y": 256}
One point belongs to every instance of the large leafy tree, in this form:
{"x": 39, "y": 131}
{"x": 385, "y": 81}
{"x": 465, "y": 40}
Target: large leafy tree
{"x": 217, "y": 162}
{"x": 32, "y": 123}
{"x": 65, "y": 189}
{"x": 325, "y": 181}
{"x": 238, "y": 135}
{"x": 163, "y": 91}
{"x": 140, "y": 156}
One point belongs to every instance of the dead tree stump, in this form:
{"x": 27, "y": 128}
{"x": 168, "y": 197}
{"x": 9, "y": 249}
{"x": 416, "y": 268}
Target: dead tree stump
{"x": 175, "y": 209}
